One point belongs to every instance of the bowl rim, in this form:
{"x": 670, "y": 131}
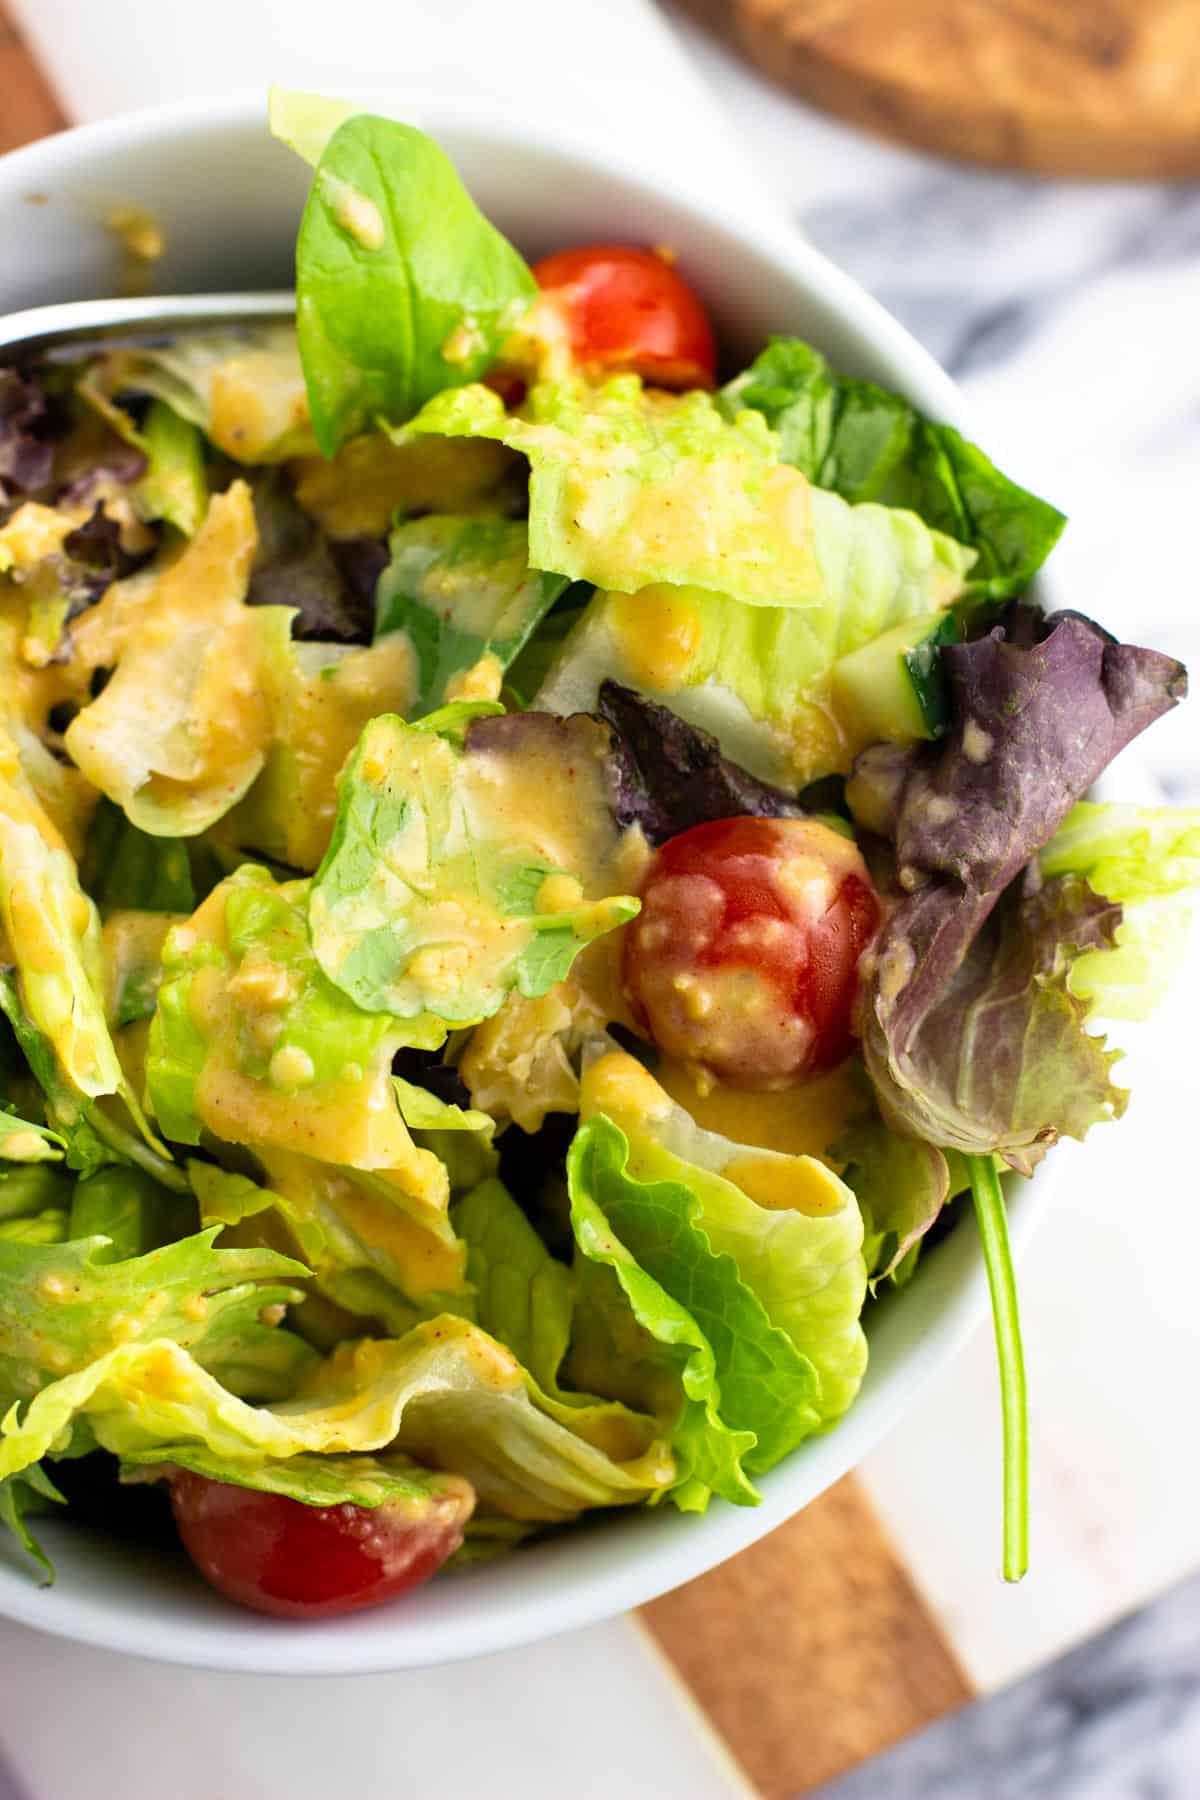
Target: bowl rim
{"x": 593, "y": 1586}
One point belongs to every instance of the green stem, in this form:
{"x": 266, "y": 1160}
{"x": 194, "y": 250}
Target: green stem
{"x": 993, "y": 1233}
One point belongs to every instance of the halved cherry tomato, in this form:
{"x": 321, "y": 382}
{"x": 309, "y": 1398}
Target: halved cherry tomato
{"x": 744, "y": 958}
{"x": 627, "y": 309}
{"x": 310, "y": 1562}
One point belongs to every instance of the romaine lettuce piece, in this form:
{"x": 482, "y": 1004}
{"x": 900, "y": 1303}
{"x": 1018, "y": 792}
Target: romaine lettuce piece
{"x": 866, "y": 444}
{"x": 182, "y": 727}
{"x": 445, "y": 1393}
{"x": 175, "y": 484}
{"x": 320, "y": 697}
{"x": 360, "y": 492}
{"x": 389, "y": 311}
{"x": 244, "y": 388}
{"x": 789, "y": 1226}
{"x": 971, "y": 1034}
{"x": 437, "y": 895}
{"x": 461, "y": 590}
{"x": 631, "y": 488}
{"x": 1148, "y": 859}
{"x": 758, "y": 677}
{"x": 252, "y": 1043}
{"x": 522, "y": 1296}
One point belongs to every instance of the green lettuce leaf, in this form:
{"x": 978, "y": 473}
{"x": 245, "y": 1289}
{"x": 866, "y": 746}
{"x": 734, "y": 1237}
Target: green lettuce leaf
{"x": 430, "y": 899}
{"x": 129, "y": 1208}
{"x": 48, "y": 1227}
{"x": 445, "y": 1393}
{"x": 251, "y": 1043}
{"x": 869, "y": 445}
{"x": 630, "y": 488}
{"x": 175, "y": 485}
{"x": 388, "y": 1480}
{"x": 30, "y": 1492}
{"x": 403, "y": 288}
{"x": 523, "y": 1296}
{"x": 900, "y": 1183}
{"x": 21, "y": 1142}
{"x": 320, "y": 696}
{"x": 1148, "y": 859}
{"x": 243, "y": 388}
{"x": 64, "y": 1305}
{"x": 462, "y": 590}
{"x": 181, "y": 729}
{"x": 124, "y": 869}
{"x": 719, "y": 1339}
{"x": 791, "y": 1229}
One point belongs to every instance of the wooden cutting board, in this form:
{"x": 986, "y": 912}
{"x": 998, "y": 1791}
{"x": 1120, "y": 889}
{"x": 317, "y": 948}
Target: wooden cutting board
{"x": 1063, "y": 87}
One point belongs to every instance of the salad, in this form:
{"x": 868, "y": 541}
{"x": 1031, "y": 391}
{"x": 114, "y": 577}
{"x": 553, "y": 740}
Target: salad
{"x": 537, "y": 875}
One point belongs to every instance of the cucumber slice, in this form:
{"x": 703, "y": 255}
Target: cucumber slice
{"x": 894, "y": 688}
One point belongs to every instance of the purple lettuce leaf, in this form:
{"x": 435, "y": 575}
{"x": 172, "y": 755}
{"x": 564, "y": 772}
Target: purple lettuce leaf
{"x": 333, "y": 587}
{"x": 26, "y": 460}
{"x": 969, "y": 1034}
{"x": 669, "y": 775}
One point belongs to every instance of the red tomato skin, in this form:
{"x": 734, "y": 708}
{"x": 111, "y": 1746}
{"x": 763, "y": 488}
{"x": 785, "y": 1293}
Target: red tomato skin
{"x": 628, "y": 309}
{"x": 744, "y": 959}
{"x": 279, "y": 1556}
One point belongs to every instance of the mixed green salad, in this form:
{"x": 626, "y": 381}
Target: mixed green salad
{"x": 534, "y": 882}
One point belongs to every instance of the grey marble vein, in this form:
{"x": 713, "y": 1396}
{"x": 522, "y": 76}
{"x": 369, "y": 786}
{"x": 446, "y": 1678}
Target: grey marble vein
{"x": 1116, "y": 1719}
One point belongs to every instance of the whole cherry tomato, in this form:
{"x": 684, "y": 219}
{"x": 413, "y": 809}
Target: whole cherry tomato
{"x": 628, "y": 309}
{"x": 744, "y": 958}
{"x": 309, "y": 1562}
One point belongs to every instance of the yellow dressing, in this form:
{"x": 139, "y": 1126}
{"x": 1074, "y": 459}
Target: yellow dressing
{"x": 356, "y": 493}
{"x": 800, "y": 1184}
{"x": 658, "y": 631}
{"x": 799, "y": 1121}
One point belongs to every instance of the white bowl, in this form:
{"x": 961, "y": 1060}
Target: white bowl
{"x": 229, "y": 198}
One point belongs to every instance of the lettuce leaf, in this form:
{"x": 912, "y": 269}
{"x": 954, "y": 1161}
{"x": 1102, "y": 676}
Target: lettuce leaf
{"x": 181, "y": 729}
{"x": 26, "y": 458}
{"x": 712, "y": 1446}
{"x": 22, "y": 1142}
{"x": 251, "y": 1043}
{"x": 30, "y": 1492}
{"x": 758, "y": 677}
{"x": 869, "y": 445}
{"x": 972, "y": 1037}
{"x": 631, "y": 487}
{"x": 320, "y": 696}
{"x": 387, "y": 1480}
{"x": 175, "y": 484}
{"x": 65, "y": 1305}
{"x": 435, "y": 897}
{"x": 1148, "y": 859}
{"x": 901, "y": 1185}
{"x": 124, "y": 869}
{"x": 445, "y": 1393}
{"x": 390, "y": 311}
{"x": 295, "y": 565}
{"x": 461, "y": 588}
{"x": 792, "y": 1230}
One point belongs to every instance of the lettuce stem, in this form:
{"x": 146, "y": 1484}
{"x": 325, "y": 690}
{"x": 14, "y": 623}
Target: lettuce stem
{"x": 997, "y": 1257}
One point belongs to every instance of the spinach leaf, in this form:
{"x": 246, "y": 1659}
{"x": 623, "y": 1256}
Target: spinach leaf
{"x": 867, "y": 444}
{"x": 403, "y": 288}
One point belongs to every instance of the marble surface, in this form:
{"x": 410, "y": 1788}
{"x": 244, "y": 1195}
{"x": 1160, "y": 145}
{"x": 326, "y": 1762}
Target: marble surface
{"x": 1116, "y": 1719}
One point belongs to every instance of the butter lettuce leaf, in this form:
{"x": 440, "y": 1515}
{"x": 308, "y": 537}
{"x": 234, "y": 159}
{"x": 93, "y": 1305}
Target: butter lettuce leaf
{"x": 30, "y": 1492}
{"x": 436, "y": 897}
{"x": 790, "y": 1228}
{"x": 870, "y": 445}
{"x": 901, "y": 1185}
{"x": 370, "y": 1481}
{"x": 461, "y": 589}
{"x": 445, "y": 1393}
{"x": 403, "y": 288}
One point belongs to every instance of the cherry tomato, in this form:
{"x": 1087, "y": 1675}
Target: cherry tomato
{"x": 628, "y": 309}
{"x": 310, "y": 1562}
{"x": 743, "y": 961}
